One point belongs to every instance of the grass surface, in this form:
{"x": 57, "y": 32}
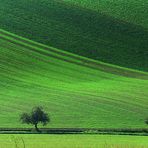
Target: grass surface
{"x": 83, "y": 31}
{"x": 75, "y": 91}
{"x": 73, "y": 141}
{"x": 131, "y": 11}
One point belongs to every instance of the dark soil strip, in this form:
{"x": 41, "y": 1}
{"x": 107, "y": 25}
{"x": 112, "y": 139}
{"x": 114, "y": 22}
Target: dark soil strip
{"x": 139, "y": 131}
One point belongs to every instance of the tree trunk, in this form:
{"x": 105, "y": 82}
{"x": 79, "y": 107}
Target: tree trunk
{"x": 36, "y": 127}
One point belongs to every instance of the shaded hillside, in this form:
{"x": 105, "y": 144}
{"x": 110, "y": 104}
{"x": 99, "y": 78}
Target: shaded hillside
{"x": 133, "y": 11}
{"x": 77, "y": 30}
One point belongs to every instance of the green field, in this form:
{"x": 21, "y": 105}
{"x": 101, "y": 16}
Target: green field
{"x": 131, "y": 11}
{"x": 85, "y": 62}
{"x": 75, "y": 91}
{"x": 73, "y": 141}
{"x": 116, "y": 34}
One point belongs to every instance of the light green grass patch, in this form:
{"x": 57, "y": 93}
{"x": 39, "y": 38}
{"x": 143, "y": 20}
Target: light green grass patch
{"x": 73, "y": 141}
{"x": 74, "y": 93}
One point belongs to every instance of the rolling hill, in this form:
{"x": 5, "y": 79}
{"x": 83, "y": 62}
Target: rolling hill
{"x": 105, "y": 32}
{"x": 74, "y": 90}
{"x": 131, "y": 11}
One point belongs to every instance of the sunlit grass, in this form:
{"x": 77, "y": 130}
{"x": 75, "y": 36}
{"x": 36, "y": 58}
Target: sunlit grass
{"x": 72, "y": 141}
{"x": 74, "y": 93}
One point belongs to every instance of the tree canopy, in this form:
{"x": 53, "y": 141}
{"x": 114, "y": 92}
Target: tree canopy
{"x": 35, "y": 117}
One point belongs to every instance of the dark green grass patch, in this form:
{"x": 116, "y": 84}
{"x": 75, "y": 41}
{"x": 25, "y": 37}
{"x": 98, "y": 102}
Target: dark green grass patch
{"x": 131, "y": 11}
{"x": 77, "y": 30}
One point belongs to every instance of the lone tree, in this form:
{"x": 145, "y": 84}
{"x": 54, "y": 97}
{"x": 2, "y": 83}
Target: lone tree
{"x": 36, "y": 116}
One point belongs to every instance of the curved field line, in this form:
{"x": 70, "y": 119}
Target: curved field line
{"x": 77, "y": 59}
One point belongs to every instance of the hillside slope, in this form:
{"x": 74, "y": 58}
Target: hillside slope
{"x": 74, "y": 92}
{"x": 78, "y": 30}
{"x": 132, "y": 11}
